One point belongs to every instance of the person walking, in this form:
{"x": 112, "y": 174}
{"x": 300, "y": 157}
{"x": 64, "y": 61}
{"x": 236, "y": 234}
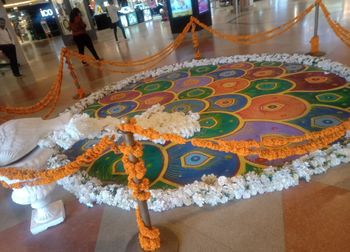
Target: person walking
{"x": 80, "y": 36}
{"x": 113, "y": 14}
{"x": 8, "y": 48}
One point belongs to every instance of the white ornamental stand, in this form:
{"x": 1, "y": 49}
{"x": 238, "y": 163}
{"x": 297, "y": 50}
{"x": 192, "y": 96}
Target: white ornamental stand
{"x": 18, "y": 148}
{"x": 44, "y": 214}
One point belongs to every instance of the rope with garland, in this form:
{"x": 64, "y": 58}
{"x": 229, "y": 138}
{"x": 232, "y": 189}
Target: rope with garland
{"x": 269, "y": 148}
{"x": 48, "y": 99}
{"x": 53, "y": 95}
{"x": 340, "y": 31}
{"x": 258, "y": 37}
{"x": 149, "y": 237}
{"x": 156, "y": 60}
{"x": 29, "y": 177}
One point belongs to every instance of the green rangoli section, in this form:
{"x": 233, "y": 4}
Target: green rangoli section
{"x": 201, "y": 70}
{"x": 103, "y": 167}
{"x": 110, "y": 168}
{"x": 196, "y": 93}
{"x": 267, "y": 86}
{"x": 337, "y": 98}
{"x": 216, "y": 124}
{"x": 91, "y": 110}
{"x": 267, "y": 63}
{"x": 154, "y": 87}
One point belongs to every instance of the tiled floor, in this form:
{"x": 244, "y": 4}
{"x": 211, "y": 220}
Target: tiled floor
{"x": 314, "y": 216}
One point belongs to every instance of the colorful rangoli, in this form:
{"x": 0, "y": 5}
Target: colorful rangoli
{"x": 240, "y": 101}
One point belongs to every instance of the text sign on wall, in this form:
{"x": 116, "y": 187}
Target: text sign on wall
{"x": 46, "y": 13}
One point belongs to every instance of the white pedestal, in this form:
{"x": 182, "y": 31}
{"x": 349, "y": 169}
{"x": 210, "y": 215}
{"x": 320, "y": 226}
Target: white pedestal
{"x": 18, "y": 149}
{"x": 44, "y": 214}
{"x": 47, "y": 216}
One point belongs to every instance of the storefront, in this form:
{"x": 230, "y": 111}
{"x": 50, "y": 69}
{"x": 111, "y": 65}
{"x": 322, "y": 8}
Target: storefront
{"x": 48, "y": 18}
{"x": 98, "y": 12}
{"x": 34, "y": 22}
{"x": 140, "y": 13}
{"x": 130, "y": 13}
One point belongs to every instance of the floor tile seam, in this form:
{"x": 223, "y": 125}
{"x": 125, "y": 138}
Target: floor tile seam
{"x": 100, "y": 232}
{"x": 17, "y": 225}
{"x": 205, "y": 235}
{"x": 98, "y": 225}
{"x": 332, "y": 185}
{"x": 284, "y": 220}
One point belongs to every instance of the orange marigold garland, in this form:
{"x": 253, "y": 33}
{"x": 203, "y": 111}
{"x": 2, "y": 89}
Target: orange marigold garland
{"x": 149, "y": 237}
{"x": 340, "y": 31}
{"x": 315, "y": 44}
{"x": 258, "y": 37}
{"x": 195, "y": 41}
{"x": 51, "y": 97}
{"x": 269, "y": 148}
{"x": 31, "y": 177}
{"x": 135, "y": 170}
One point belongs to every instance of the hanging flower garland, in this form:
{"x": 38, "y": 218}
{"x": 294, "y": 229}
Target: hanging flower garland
{"x": 30, "y": 177}
{"x": 135, "y": 170}
{"x": 149, "y": 237}
{"x": 307, "y": 143}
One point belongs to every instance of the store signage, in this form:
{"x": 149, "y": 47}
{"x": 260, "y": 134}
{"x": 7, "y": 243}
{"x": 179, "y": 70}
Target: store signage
{"x": 46, "y": 13}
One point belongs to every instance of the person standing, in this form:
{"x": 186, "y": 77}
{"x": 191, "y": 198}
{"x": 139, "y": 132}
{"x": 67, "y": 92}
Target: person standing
{"x": 8, "y": 48}
{"x": 80, "y": 36}
{"x": 113, "y": 14}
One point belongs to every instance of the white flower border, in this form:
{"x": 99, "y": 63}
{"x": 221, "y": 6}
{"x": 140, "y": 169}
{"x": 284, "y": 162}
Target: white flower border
{"x": 210, "y": 190}
{"x": 81, "y": 126}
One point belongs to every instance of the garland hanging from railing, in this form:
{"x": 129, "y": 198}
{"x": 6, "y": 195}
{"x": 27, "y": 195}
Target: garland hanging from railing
{"x": 52, "y": 96}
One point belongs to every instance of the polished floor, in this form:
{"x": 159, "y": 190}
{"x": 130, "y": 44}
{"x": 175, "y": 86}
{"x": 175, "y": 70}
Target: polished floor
{"x": 314, "y": 216}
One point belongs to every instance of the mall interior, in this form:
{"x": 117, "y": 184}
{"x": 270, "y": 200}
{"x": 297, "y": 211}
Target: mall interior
{"x": 312, "y": 216}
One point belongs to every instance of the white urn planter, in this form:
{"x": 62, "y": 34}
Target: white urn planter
{"x": 45, "y": 213}
{"x": 18, "y": 148}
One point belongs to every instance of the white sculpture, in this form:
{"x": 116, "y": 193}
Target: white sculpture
{"x": 18, "y": 143}
{"x": 21, "y": 136}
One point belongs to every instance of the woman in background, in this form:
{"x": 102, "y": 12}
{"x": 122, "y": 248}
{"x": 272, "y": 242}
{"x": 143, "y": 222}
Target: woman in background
{"x": 80, "y": 36}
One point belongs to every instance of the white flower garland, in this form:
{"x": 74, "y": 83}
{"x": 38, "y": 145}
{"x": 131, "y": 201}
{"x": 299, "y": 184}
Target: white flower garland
{"x": 210, "y": 190}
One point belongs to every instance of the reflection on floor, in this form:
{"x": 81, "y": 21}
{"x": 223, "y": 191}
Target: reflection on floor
{"x": 311, "y": 217}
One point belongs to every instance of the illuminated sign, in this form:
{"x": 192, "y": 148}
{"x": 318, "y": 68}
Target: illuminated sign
{"x": 203, "y": 6}
{"x": 46, "y": 13}
{"x": 180, "y": 8}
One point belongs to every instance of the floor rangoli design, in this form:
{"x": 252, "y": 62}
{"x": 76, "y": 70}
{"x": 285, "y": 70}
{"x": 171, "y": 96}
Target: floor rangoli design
{"x": 240, "y": 101}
